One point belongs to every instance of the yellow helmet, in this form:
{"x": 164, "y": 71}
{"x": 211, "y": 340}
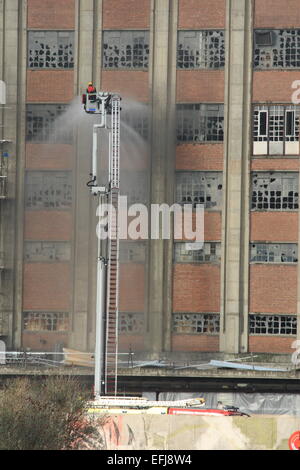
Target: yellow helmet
{"x": 90, "y": 83}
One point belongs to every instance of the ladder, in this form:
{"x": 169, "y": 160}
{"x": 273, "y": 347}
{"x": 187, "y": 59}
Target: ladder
{"x": 112, "y": 300}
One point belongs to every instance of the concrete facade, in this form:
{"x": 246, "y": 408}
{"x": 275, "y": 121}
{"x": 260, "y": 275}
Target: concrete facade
{"x": 159, "y": 288}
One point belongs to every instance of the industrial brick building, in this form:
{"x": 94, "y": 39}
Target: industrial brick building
{"x": 217, "y": 77}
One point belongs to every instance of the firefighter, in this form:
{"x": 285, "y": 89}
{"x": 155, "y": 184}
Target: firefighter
{"x": 91, "y": 90}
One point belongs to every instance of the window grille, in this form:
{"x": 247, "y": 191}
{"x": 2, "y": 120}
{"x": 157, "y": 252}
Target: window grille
{"x": 47, "y": 251}
{"x": 199, "y": 188}
{"x": 210, "y": 253}
{"x": 131, "y": 323}
{"x": 277, "y": 49}
{"x": 272, "y": 325}
{"x": 48, "y": 190}
{"x": 274, "y": 252}
{"x": 201, "y": 50}
{"x": 196, "y": 323}
{"x": 276, "y": 130}
{"x": 51, "y": 49}
{"x": 44, "y": 124}
{"x": 125, "y": 49}
{"x": 275, "y": 191}
{"x": 200, "y": 122}
{"x": 134, "y": 252}
{"x": 137, "y": 120}
{"x": 46, "y": 321}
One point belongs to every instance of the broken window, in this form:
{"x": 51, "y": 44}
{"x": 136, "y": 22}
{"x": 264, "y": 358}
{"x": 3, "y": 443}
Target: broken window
{"x": 209, "y": 253}
{"x": 46, "y": 321}
{"x": 131, "y": 323}
{"x": 51, "y": 49}
{"x": 277, "y": 49}
{"x": 137, "y": 119}
{"x": 47, "y": 251}
{"x": 201, "y": 49}
{"x": 48, "y": 190}
{"x": 132, "y": 252}
{"x": 193, "y": 323}
{"x": 125, "y": 49}
{"x": 276, "y": 130}
{"x": 200, "y": 122}
{"x": 273, "y": 324}
{"x": 274, "y": 191}
{"x": 274, "y": 252}
{"x": 44, "y": 124}
{"x": 197, "y": 187}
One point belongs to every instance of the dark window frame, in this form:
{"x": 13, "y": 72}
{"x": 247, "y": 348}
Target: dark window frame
{"x": 53, "y": 55}
{"x": 272, "y": 325}
{"x": 132, "y": 59}
{"x": 199, "y": 123}
{"x": 197, "y": 58}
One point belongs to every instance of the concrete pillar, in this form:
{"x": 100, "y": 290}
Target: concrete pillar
{"x": 89, "y": 14}
{"x": 235, "y": 225}
{"x": 13, "y": 73}
{"x": 163, "y": 78}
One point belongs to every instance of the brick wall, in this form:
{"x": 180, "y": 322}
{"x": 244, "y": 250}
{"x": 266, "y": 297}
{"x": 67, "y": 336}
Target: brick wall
{"x": 51, "y": 14}
{"x": 126, "y": 14}
{"x": 200, "y": 86}
{"x": 273, "y": 289}
{"x": 201, "y": 14}
{"x": 203, "y": 343}
{"x": 132, "y": 287}
{"x": 274, "y": 226}
{"x": 273, "y": 85}
{"x": 48, "y": 225}
{"x": 133, "y": 342}
{"x": 43, "y": 341}
{"x": 273, "y": 164}
{"x": 46, "y": 286}
{"x": 49, "y": 156}
{"x": 212, "y": 225}
{"x": 271, "y": 344}
{"x": 199, "y": 157}
{"x": 129, "y": 83}
{"x": 277, "y": 14}
{"x": 196, "y": 288}
{"x": 55, "y": 86}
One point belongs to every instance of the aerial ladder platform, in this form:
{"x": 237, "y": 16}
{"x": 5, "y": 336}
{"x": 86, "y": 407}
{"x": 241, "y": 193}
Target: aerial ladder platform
{"x": 106, "y": 104}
